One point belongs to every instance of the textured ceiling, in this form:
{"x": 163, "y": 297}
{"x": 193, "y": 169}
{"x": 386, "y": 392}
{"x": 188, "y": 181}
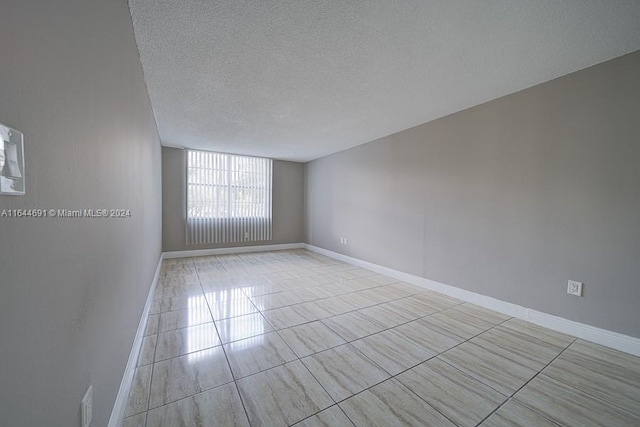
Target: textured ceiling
{"x": 301, "y": 79}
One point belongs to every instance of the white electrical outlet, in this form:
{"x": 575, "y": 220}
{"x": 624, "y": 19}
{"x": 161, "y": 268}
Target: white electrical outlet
{"x": 86, "y": 407}
{"x": 574, "y": 288}
{"x": 346, "y": 242}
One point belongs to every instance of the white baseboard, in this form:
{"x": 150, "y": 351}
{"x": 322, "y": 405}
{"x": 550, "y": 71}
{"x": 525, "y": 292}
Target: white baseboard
{"x": 120, "y": 405}
{"x": 235, "y": 250}
{"x": 611, "y": 339}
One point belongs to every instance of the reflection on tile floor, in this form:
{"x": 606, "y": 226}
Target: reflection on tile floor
{"x": 293, "y": 337}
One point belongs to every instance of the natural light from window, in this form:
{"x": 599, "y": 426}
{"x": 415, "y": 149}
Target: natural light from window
{"x": 228, "y": 198}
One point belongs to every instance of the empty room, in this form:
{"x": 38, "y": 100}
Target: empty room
{"x": 319, "y": 213}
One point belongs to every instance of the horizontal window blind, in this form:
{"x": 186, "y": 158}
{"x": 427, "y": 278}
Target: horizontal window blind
{"x": 228, "y": 198}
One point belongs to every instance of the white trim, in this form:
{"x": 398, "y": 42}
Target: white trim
{"x": 120, "y": 405}
{"x": 621, "y": 342}
{"x": 234, "y": 250}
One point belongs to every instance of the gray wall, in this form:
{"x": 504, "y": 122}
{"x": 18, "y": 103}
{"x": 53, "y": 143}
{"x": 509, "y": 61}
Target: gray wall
{"x": 508, "y": 199}
{"x": 72, "y": 290}
{"x": 288, "y": 203}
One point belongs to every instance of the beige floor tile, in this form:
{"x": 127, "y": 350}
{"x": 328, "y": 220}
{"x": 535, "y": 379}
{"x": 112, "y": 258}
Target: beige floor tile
{"x": 216, "y": 275}
{"x": 152, "y": 325}
{"x": 220, "y": 406}
{"x": 319, "y": 292}
{"x": 460, "y": 398}
{"x": 187, "y": 375}
{"x": 427, "y": 338}
{"x": 429, "y": 304}
{"x": 274, "y": 301}
{"x": 342, "y": 266}
{"x": 139, "y": 394}
{"x": 496, "y": 371}
{"x": 315, "y": 310}
{"x": 242, "y": 327}
{"x": 177, "y": 274}
{"x": 513, "y": 414}
{"x": 330, "y": 417}
{"x": 321, "y": 279}
{"x": 402, "y": 289}
{"x": 135, "y": 421}
{"x": 257, "y": 354}
{"x": 352, "y": 326}
{"x": 609, "y": 355}
{"x": 343, "y": 371}
{"x": 459, "y": 323}
{"x": 287, "y": 317}
{"x": 306, "y": 294}
{"x": 391, "y": 352}
{"x": 282, "y": 395}
{"x": 381, "y": 279}
{"x": 156, "y": 303}
{"x": 568, "y": 406}
{"x": 376, "y": 295}
{"x": 308, "y": 280}
{"x": 178, "y": 278}
{"x": 214, "y": 295}
{"x": 221, "y": 276}
{"x": 480, "y": 313}
{"x": 524, "y": 349}
{"x": 148, "y": 350}
{"x": 359, "y": 272}
{"x": 357, "y": 301}
{"x": 288, "y": 285}
{"x": 339, "y": 288}
{"x": 232, "y": 308}
{"x": 234, "y": 280}
{"x": 391, "y": 404}
{"x": 196, "y": 314}
{"x": 595, "y": 371}
{"x": 386, "y": 316}
{"x": 334, "y": 306}
{"x": 310, "y": 338}
{"x": 342, "y": 277}
{"x": 279, "y": 275}
{"x": 436, "y": 300}
{"x": 187, "y": 290}
{"x": 525, "y": 328}
{"x": 413, "y": 307}
{"x": 186, "y": 340}
{"x": 263, "y": 289}
{"x": 380, "y": 294}
{"x": 174, "y": 303}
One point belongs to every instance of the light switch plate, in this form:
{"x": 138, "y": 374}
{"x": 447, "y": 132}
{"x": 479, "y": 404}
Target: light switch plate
{"x": 11, "y": 162}
{"x": 86, "y": 407}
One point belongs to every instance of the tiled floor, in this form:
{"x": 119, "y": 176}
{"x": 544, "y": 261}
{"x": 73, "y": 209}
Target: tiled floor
{"x": 292, "y": 337}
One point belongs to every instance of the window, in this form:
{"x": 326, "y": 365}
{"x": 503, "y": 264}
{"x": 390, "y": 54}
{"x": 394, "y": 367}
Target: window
{"x": 228, "y": 198}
